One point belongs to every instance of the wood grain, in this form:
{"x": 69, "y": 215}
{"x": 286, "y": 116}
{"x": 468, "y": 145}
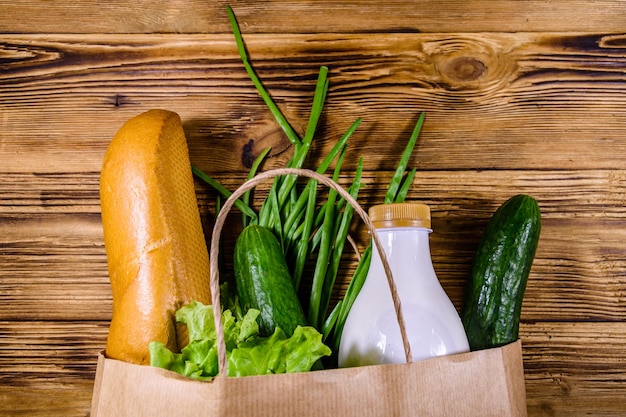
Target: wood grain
{"x": 320, "y": 16}
{"x": 574, "y": 368}
{"x": 528, "y": 87}
{"x": 577, "y": 274}
{"x": 47, "y": 368}
{"x": 520, "y": 97}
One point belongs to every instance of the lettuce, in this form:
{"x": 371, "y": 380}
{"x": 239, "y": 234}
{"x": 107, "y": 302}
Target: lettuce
{"x": 246, "y": 351}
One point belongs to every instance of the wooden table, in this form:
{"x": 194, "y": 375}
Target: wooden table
{"x": 520, "y": 97}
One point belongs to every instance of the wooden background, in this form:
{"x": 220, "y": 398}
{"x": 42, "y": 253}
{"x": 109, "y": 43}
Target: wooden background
{"x": 520, "y": 96}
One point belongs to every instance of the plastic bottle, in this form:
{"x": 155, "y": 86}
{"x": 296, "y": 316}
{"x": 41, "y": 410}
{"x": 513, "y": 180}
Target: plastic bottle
{"x": 371, "y": 333}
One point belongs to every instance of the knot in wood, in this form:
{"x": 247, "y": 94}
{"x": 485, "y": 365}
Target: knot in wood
{"x": 247, "y": 154}
{"x": 464, "y": 69}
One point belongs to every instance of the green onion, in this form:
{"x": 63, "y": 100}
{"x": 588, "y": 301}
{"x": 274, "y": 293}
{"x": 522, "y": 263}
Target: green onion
{"x": 404, "y": 160}
{"x": 253, "y": 170}
{"x": 341, "y": 236}
{"x": 337, "y": 148}
{"x": 244, "y": 208}
{"x": 285, "y": 185}
{"x": 309, "y": 229}
{"x": 302, "y": 248}
{"x": 282, "y": 121}
{"x": 321, "y": 264}
{"x": 331, "y": 320}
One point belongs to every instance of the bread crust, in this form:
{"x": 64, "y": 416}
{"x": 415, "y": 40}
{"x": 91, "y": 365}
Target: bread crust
{"x": 156, "y": 249}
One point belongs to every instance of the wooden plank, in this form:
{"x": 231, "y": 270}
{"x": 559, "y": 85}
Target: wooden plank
{"x": 493, "y": 101}
{"x": 50, "y": 193}
{"x": 46, "y": 398}
{"x": 47, "y": 368}
{"x": 591, "y": 194}
{"x": 53, "y": 267}
{"x": 575, "y": 369}
{"x": 54, "y": 263}
{"x": 41, "y": 350}
{"x": 321, "y": 16}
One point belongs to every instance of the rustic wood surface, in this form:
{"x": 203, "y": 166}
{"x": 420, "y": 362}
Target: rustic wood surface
{"x": 520, "y": 96}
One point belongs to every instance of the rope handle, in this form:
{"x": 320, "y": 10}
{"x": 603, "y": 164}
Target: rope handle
{"x": 214, "y": 254}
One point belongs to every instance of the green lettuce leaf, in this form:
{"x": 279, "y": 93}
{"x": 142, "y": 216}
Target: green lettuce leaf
{"x": 246, "y": 351}
{"x": 278, "y": 354}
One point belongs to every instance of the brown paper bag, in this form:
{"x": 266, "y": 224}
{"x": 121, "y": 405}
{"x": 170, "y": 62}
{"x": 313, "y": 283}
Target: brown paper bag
{"x": 481, "y": 384}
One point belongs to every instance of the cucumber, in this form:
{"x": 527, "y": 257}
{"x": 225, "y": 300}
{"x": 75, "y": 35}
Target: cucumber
{"x": 263, "y": 281}
{"x": 493, "y": 300}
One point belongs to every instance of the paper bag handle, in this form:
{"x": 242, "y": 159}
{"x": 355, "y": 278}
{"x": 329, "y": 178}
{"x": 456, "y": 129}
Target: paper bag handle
{"x": 214, "y": 254}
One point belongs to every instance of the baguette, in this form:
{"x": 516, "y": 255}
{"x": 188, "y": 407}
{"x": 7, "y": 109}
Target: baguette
{"x": 156, "y": 250}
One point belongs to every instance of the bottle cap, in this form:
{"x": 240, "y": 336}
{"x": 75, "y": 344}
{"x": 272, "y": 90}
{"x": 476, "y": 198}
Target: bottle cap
{"x": 400, "y": 215}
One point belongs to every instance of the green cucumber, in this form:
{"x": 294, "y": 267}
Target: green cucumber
{"x": 493, "y": 300}
{"x": 263, "y": 281}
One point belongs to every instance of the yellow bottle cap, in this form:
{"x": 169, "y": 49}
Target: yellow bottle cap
{"x": 400, "y": 215}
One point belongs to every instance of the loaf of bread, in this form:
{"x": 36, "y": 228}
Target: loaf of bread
{"x": 156, "y": 249}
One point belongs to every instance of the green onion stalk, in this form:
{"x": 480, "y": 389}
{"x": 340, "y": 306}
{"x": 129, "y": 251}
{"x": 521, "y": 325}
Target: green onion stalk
{"x": 311, "y": 230}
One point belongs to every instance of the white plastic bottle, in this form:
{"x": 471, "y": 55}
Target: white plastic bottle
{"x": 371, "y": 334}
